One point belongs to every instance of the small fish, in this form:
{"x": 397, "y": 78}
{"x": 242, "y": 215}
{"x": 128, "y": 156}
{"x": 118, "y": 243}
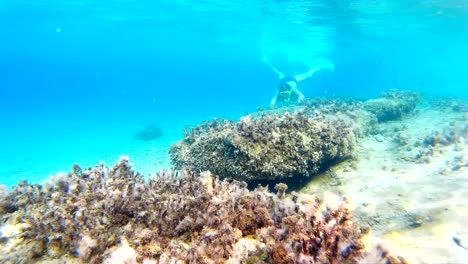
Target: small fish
{"x": 460, "y": 242}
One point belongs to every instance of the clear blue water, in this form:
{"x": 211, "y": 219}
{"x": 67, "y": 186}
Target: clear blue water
{"x": 77, "y": 78}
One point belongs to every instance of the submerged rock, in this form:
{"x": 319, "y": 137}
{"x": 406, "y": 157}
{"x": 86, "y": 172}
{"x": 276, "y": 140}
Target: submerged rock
{"x": 393, "y": 105}
{"x": 267, "y": 146}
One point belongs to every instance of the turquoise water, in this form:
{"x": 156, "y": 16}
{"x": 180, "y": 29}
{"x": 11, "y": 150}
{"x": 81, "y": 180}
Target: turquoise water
{"x": 79, "y": 78}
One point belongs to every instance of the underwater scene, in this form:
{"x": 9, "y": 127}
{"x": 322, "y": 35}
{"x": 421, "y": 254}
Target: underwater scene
{"x": 203, "y": 131}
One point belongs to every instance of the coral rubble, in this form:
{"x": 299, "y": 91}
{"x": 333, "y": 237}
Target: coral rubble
{"x": 101, "y": 215}
{"x": 431, "y": 141}
{"x": 267, "y": 146}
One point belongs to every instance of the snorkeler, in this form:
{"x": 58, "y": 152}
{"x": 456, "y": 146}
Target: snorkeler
{"x": 288, "y": 93}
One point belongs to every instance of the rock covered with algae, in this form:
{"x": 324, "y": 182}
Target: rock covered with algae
{"x": 286, "y": 142}
{"x": 393, "y": 105}
{"x": 267, "y": 146}
{"x": 102, "y": 215}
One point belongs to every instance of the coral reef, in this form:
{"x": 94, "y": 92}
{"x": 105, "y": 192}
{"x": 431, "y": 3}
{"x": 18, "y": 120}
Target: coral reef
{"x": 393, "y": 105}
{"x": 102, "y": 215}
{"x": 148, "y": 133}
{"x": 266, "y": 146}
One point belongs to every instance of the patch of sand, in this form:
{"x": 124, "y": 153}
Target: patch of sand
{"x": 414, "y": 206}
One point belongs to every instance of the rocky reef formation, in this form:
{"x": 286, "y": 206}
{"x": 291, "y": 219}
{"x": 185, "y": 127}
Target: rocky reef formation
{"x": 269, "y": 145}
{"x": 113, "y": 215}
{"x": 286, "y": 142}
{"x": 393, "y": 105}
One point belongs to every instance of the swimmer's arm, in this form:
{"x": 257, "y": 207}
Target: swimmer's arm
{"x": 273, "y": 101}
{"x": 300, "y": 95}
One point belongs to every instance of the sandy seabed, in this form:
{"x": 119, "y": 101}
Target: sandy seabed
{"x": 414, "y": 199}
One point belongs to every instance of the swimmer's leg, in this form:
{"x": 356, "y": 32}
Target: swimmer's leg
{"x": 266, "y": 60}
{"x": 316, "y": 66}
